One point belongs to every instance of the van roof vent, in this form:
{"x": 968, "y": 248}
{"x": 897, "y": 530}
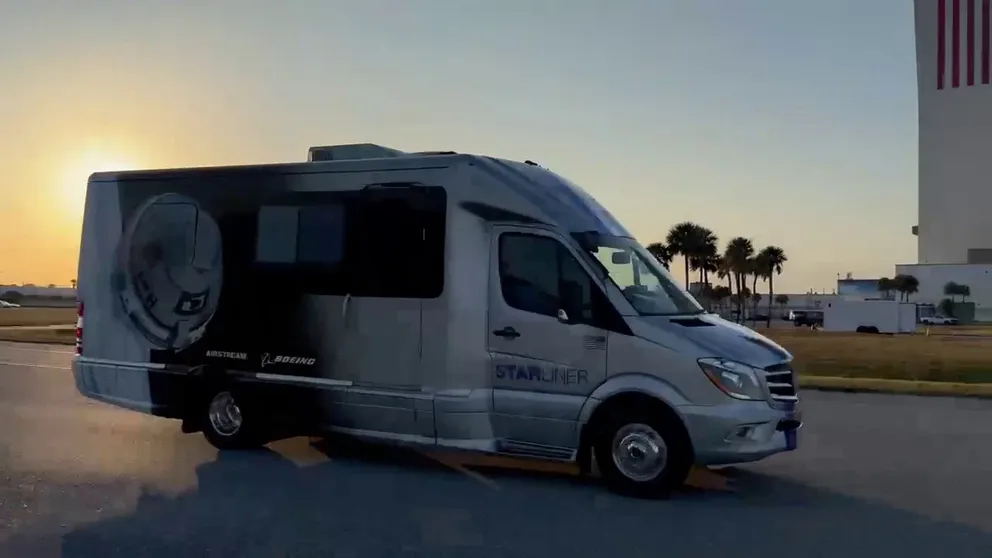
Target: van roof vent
{"x": 352, "y": 151}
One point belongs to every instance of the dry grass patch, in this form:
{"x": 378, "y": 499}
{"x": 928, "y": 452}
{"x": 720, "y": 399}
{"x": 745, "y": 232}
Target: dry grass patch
{"x": 53, "y": 336}
{"x": 949, "y": 357}
{"x": 37, "y": 316}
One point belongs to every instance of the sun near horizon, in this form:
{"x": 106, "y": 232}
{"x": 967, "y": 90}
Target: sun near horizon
{"x": 80, "y": 166}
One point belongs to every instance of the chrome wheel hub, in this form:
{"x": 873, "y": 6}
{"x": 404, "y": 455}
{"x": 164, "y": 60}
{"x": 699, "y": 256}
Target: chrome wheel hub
{"x": 639, "y": 452}
{"x": 225, "y": 415}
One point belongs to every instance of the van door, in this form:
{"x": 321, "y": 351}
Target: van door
{"x": 396, "y": 258}
{"x": 548, "y": 350}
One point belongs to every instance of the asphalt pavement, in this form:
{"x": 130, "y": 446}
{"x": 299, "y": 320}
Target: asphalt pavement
{"x": 874, "y": 476}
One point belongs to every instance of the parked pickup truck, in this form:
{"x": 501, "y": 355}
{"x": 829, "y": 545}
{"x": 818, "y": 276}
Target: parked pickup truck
{"x": 938, "y": 320}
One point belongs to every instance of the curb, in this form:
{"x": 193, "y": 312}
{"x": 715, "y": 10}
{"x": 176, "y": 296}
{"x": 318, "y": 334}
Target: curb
{"x": 896, "y": 387}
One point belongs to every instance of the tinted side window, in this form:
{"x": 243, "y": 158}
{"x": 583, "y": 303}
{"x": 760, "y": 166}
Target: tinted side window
{"x": 528, "y": 273}
{"x": 398, "y": 239}
{"x": 379, "y": 242}
{"x": 538, "y": 274}
{"x": 301, "y": 247}
{"x": 321, "y": 237}
{"x": 308, "y": 235}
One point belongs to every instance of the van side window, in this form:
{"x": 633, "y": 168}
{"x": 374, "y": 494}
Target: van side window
{"x": 321, "y": 235}
{"x": 302, "y": 248}
{"x": 379, "y": 242}
{"x": 539, "y": 275}
{"x": 398, "y": 236}
{"x": 309, "y": 235}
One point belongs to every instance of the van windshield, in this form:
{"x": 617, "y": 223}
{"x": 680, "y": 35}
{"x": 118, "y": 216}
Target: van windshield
{"x": 644, "y": 282}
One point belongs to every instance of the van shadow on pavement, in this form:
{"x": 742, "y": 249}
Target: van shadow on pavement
{"x": 380, "y": 502}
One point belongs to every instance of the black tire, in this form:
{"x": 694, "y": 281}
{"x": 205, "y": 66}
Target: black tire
{"x": 243, "y": 436}
{"x": 665, "y": 425}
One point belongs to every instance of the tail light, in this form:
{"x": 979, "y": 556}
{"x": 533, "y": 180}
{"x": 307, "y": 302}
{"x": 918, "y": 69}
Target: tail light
{"x": 79, "y": 327}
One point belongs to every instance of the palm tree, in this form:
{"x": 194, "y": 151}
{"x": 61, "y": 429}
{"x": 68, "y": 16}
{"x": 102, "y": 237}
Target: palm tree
{"x": 683, "y": 239}
{"x": 772, "y": 260}
{"x": 906, "y": 285}
{"x": 755, "y": 269}
{"x": 707, "y": 253}
{"x": 739, "y": 250}
{"x": 886, "y": 286}
{"x": 662, "y": 253}
{"x": 725, "y": 271}
{"x": 703, "y": 254}
{"x": 721, "y": 293}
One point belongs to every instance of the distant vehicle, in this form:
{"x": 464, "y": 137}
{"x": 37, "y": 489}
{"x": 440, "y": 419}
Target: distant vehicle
{"x": 5, "y": 304}
{"x": 938, "y": 320}
{"x": 806, "y": 317}
{"x": 441, "y": 300}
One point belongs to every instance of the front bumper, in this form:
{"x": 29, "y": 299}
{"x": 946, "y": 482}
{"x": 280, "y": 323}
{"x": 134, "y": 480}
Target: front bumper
{"x": 740, "y": 432}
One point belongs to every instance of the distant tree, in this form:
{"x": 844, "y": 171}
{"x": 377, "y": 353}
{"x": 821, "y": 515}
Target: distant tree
{"x": 684, "y": 239}
{"x": 771, "y": 260}
{"x": 886, "y": 286}
{"x": 782, "y": 299}
{"x": 73, "y": 283}
{"x": 725, "y": 271}
{"x": 907, "y": 285}
{"x": 964, "y": 291}
{"x": 662, "y": 253}
{"x": 51, "y": 285}
{"x": 953, "y": 289}
{"x": 946, "y": 307}
{"x": 721, "y": 293}
{"x": 737, "y": 256}
{"x": 704, "y": 253}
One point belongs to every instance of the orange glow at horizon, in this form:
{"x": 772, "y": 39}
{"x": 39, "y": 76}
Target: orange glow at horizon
{"x": 77, "y": 170}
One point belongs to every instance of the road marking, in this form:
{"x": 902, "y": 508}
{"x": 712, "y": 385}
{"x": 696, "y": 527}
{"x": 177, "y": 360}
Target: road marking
{"x": 451, "y": 462}
{"x": 34, "y": 365}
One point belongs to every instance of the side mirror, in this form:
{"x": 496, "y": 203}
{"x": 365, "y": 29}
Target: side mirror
{"x": 620, "y": 258}
{"x": 563, "y": 316}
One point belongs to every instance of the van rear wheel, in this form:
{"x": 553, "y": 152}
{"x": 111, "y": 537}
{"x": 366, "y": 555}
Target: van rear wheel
{"x": 228, "y": 424}
{"x": 642, "y": 454}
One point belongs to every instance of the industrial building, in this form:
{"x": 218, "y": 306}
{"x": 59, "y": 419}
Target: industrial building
{"x": 954, "y": 80}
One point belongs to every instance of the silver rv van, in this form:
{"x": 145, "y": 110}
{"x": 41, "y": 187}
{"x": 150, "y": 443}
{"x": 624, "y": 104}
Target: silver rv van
{"x": 436, "y": 299}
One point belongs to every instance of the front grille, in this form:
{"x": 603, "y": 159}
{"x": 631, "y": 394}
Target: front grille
{"x": 781, "y": 382}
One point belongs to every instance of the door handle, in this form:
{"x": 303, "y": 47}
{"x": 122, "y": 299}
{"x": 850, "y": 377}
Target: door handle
{"x": 507, "y": 332}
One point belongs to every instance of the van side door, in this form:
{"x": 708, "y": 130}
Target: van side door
{"x": 546, "y": 340}
{"x": 396, "y": 262}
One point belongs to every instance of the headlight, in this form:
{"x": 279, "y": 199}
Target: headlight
{"x": 736, "y": 379}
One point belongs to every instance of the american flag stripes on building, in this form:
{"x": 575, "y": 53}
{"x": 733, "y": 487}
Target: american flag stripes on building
{"x": 963, "y": 43}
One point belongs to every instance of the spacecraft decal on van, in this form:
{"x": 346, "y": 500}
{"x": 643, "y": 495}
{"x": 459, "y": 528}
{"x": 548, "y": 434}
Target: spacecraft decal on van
{"x": 169, "y": 271}
{"x": 544, "y": 374}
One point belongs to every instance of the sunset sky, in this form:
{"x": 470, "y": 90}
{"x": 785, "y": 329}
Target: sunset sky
{"x": 792, "y": 122}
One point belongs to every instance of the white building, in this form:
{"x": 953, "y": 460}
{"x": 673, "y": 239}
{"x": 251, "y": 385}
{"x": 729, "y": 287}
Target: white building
{"x": 954, "y": 80}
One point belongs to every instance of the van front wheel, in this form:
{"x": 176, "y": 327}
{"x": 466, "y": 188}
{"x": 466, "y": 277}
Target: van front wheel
{"x": 642, "y": 454}
{"x": 227, "y": 424}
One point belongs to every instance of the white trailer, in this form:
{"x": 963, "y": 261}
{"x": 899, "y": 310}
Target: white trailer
{"x": 869, "y": 316}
